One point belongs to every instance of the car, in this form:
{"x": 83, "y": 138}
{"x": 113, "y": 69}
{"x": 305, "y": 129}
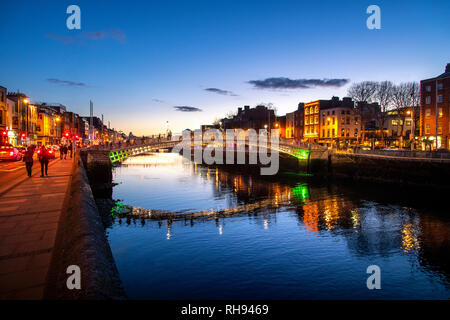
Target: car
{"x": 10, "y": 153}
{"x": 22, "y": 149}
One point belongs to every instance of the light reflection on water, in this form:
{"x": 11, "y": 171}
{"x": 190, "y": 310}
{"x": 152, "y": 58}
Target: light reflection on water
{"x": 289, "y": 239}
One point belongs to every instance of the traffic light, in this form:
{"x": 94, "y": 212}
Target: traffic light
{"x": 67, "y": 134}
{"x": 23, "y": 135}
{"x": 76, "y": 137}
{"x": 4, "y": 133}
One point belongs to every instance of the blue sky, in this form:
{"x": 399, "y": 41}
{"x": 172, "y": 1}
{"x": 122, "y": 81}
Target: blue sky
{"x": 139, "y": 59}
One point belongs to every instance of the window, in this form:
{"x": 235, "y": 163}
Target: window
{"x": 428, "y": 100}
{"x": 439, "y": 130}
{"x": 316, "y": 119}
{"x": 332, "y": 113}
{"x": 428, "y": 88}
{"x": 394, "y": 122}
{"x": 440, "y": 86}
{"x": 441, "y": 112}
{"x": 317, "y": 109}
{"x": 1, "y": 116}
{"x": 342, "y": 112}
{"x": 323, "y": 133}
{"x": 348, "y": 111}
{"x": 342, "y": 120}
{"x": 356, "y": 120}
{"x": 440, "y": 98}
{"x": 328, "y": 113}
{"x": 427, "y": 113}
{"x": 348, "y": 120}
{"x": 427, "y": 128}
{"x": 328, "y": 133}
{"x": 306, "y": 110}
{"x": 356, "y": 132}
{"x": 311, "y": 110}
{"x": 408, "y": 123}
{"x": 333, "y": 120}
{"x": 342, "y": 132}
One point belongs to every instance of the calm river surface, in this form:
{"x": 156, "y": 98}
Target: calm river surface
{"x": 291, "y": 239}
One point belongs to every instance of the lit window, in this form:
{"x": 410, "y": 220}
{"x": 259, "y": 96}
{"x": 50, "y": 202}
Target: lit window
{"x": 439, "y": 130}
{"x": 428, "y": 100}
{"x": 440, "y": 98}
{"x": 441, "y": 112}
{"x": 427, "y": 128}
{"x": 427, "y": 113}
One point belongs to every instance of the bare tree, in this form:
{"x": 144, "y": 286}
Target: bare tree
{"x": 362, "y": 92}
{"x": 383, "y": 95}
{"x": 406, "y": 95}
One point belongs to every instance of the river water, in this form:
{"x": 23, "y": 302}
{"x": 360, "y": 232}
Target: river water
{"x": 289, "y": 238}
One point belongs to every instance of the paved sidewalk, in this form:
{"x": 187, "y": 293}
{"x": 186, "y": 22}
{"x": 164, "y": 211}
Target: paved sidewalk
{"x": 29, "y": 215}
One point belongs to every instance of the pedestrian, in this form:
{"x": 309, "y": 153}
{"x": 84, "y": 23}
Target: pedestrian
{"x": 71, "y": 150}
{"x": 61, "y": 151}
{"x": 28, "y": 159}
{"x": 65, "y": 152}
{"x": 43, "y": 159}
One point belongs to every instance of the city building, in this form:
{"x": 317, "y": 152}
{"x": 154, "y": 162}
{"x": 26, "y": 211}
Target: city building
{"x": 256, "y": 118}
{"x": 24, "y": 119}
{"x": 4, "y": 126}
{"x": 280, "y": 124}
{"x": 340, "y": 122}
{"x": 295, "y": 123}
{"x": 332, "y": 121}
{"x": 434, "y": 110}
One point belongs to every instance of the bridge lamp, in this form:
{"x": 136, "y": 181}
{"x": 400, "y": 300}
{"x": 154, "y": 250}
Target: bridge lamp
{"x": 265, "y": 126}
{"x": 26, "y": 100}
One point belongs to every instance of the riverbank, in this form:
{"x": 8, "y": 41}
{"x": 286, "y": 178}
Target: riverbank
{"x": 81, "y": 241}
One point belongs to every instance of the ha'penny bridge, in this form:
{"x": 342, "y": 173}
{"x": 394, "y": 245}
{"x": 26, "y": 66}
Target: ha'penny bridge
{"x": 116, "y": 153}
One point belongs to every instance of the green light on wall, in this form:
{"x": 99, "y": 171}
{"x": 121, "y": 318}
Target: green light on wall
{"x": 301, "y": 154}
{"x": 300, "y": 191}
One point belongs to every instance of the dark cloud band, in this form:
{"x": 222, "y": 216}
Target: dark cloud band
{"x": 222, "y": 92}
{"x": 286, "y": 83}
{"x": 187, "y": 109}
{"x": 67, "y": 82}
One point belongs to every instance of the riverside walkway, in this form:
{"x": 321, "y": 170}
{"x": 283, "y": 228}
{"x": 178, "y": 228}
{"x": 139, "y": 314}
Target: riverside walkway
{"x": 30, "y": 209}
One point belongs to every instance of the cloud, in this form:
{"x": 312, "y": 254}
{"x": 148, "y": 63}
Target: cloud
{"x": 67, "y": 82}
{"x": 222, "y": 92}
{"x": 61, "y": 38}
{"x": 286, "y": 83}
{"x": 157, "y": 100}
{"x": 187, "y": 109}
{"x": 114, "y": 34}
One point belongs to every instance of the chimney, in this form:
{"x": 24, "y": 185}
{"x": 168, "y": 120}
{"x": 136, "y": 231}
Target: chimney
{"x": 239, "y": 110}
{"x": 447, "y": 68}
{"x": 246, "y": 108}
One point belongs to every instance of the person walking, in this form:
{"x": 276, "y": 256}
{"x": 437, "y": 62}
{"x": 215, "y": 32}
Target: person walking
{"x": 43, "y": 159}
{"x": 71, "y": 149}
{"x": 28, "y": 159}
{"x": 61, "y": 151}
{"x": 65, "y": 152}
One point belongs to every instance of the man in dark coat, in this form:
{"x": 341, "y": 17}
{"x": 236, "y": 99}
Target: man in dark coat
{"x": 43, "y": 159}
{"x": 28, "y": 159}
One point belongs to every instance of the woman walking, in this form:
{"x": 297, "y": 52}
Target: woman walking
{"x": 28, "y": 159}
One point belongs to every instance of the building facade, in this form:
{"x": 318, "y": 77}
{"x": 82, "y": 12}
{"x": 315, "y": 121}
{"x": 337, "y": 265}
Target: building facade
{"x": 434, "y": 111}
